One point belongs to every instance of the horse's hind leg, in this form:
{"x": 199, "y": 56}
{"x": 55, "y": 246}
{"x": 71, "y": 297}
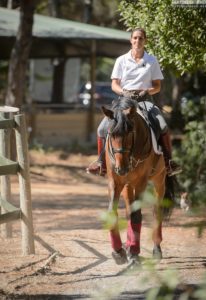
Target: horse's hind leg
{"x": 157, "y": 233}
{"x": 159, "y": 183}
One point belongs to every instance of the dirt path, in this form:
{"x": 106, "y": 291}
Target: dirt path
{"x": 67, "y": 205}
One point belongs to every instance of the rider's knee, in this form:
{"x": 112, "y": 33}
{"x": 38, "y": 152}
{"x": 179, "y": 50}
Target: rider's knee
{"x": 103, "y": 128}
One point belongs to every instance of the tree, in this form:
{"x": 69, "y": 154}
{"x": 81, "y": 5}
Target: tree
{"x": 19, "y": 55}
{"x": 96, "y": 12}
{"x": 177, "y": 35}
{"x": 59, "y": 63}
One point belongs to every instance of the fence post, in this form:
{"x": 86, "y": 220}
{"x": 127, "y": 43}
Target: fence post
{"x": 5, "y": 150}
{"x": 24, "y": 185}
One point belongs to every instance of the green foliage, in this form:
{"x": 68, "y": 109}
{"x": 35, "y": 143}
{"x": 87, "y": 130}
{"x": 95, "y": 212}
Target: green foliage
{"x": 109, "y": 220}
{"x": 201, "y": 291}
{"x": 176, "y": 35}
{"x": 104, "y": 68}
{"x": 103, "y": 12}
{"x": 193, "y": 151}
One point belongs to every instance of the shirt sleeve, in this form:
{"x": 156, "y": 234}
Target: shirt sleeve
{"x": 156, "y": 72}
{"x": 117, "y": 69}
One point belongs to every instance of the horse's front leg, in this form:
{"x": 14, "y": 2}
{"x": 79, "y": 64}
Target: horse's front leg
{"x": 134, "y": 217}
{"x": 119, "y": 253}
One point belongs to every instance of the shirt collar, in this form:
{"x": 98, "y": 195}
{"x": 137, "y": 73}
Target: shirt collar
{"x": 144, "y": 58}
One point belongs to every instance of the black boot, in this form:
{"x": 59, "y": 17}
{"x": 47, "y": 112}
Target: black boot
{"x": 172, "y": 167}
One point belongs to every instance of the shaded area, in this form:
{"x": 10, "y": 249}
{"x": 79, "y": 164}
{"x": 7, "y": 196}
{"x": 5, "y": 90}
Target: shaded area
{"x": 136, "y": 295}
{"x": 75, "y": 171}
{"x": 40, "y": 297}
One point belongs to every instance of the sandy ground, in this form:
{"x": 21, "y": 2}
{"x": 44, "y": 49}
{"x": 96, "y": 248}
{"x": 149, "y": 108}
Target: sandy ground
{"x": 67, "y": 209}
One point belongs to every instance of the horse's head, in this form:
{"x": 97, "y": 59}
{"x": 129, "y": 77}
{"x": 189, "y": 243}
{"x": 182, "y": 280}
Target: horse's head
{"x": 121, "y": 135}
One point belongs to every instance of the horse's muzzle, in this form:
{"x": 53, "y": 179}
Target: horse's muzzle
{"x": 121, "y": 171}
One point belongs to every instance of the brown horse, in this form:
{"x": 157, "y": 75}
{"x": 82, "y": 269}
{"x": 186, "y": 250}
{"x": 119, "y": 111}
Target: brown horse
{"x": 131, "y": 163}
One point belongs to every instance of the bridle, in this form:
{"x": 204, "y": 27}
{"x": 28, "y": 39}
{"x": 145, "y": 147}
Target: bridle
{"x": 133, "y": 162}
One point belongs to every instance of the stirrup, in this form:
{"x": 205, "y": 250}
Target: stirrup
{"x": 96, "y": 168}
{"x": 173, "y": 168}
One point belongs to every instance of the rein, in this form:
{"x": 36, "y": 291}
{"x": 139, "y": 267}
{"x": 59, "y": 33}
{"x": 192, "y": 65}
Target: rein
{"x": 133, "y": 162}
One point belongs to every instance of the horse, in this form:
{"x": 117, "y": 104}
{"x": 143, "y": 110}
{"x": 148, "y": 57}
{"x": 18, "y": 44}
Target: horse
{"x": 131, "y": 163}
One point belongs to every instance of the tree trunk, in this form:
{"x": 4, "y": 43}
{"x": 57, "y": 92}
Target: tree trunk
{"x": 178, "y": 87}
{"x": 59, "y": 67}
{"x": 88, "y": 7}
{"x": 9, "y": 4}
{"x": 54, "y": 8}
{"x": 20, "y": 54}
{"x": 58, "y": 82}
{"x": 177, "y": 122}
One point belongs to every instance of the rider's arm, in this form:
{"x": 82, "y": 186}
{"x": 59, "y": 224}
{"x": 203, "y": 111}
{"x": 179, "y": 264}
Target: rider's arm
{"x": 116, "y": 86}
{"x": 156, "y": 86}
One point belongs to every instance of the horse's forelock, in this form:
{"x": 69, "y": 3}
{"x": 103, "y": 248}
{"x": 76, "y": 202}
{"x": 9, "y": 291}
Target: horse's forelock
{"x": 123, "y": 104}
{"x": 121, "y": 124}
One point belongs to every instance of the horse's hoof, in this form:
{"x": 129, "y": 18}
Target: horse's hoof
{"x": 120, "y": 256}
{"x": 157, "y": 252}
{"x": 133, "y": 261}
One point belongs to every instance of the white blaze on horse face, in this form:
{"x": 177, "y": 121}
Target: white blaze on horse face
{"x": 122, "y": 155}
{"x": 118, "y": 141}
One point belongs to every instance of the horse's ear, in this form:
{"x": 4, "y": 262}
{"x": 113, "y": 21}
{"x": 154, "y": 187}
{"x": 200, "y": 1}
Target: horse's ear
{"x": 130, "y": 112}
{"x": 108, "y": 113}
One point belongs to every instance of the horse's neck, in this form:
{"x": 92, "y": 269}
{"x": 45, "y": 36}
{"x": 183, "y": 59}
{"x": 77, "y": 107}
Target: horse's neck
{"x": 143, "y": 141}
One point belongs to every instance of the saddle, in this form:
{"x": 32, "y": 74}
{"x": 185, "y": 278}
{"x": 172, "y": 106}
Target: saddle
{"x": 149, "y": 110}
{"x": 154, "y": 122}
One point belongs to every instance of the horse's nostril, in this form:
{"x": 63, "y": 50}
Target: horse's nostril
{"x": 117, "y": 170}
{"x": 121, "y": 171}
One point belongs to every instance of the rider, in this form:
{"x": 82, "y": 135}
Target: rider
{"x": 137, "y": 75}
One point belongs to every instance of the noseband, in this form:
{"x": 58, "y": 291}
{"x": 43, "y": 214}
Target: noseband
{"x": 120, "y": 150}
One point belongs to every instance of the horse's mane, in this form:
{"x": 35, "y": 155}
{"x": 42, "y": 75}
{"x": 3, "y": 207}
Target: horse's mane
{"x": 121, "y": 124}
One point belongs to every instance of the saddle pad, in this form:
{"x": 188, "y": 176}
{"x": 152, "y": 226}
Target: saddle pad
{"x": 143, "y": 113}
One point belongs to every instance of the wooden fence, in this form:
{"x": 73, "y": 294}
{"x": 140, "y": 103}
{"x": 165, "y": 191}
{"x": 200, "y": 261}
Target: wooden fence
{"x": 11, "y": 122}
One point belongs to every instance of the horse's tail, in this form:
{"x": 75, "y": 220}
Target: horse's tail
{"x": 169, "y": 197}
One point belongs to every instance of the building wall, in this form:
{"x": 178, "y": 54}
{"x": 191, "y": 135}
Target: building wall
{"x": 61, "y": 129}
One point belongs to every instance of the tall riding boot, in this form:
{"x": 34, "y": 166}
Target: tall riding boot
{"x": 99, "y": 167}
{"x": 172, "y": 167}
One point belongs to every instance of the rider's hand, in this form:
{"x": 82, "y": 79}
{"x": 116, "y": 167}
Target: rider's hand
{"x": 126, "y": 94}
{"x": 143, "y": 93}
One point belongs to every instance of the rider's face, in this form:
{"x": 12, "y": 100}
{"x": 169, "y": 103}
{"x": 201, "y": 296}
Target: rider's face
{"x": 138, "y": 40}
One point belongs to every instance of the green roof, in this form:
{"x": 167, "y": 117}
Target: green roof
{"x": 53, "y": 37}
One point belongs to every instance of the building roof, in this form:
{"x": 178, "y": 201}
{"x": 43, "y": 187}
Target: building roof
{"x": 53, "y": 37}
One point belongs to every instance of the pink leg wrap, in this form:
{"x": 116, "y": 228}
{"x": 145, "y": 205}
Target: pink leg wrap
{"x": 133, "y": 237}
{"x": 115, "y": 240}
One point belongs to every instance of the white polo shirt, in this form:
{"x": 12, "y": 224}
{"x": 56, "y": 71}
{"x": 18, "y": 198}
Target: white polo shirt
{"x": 136, "y": 76}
